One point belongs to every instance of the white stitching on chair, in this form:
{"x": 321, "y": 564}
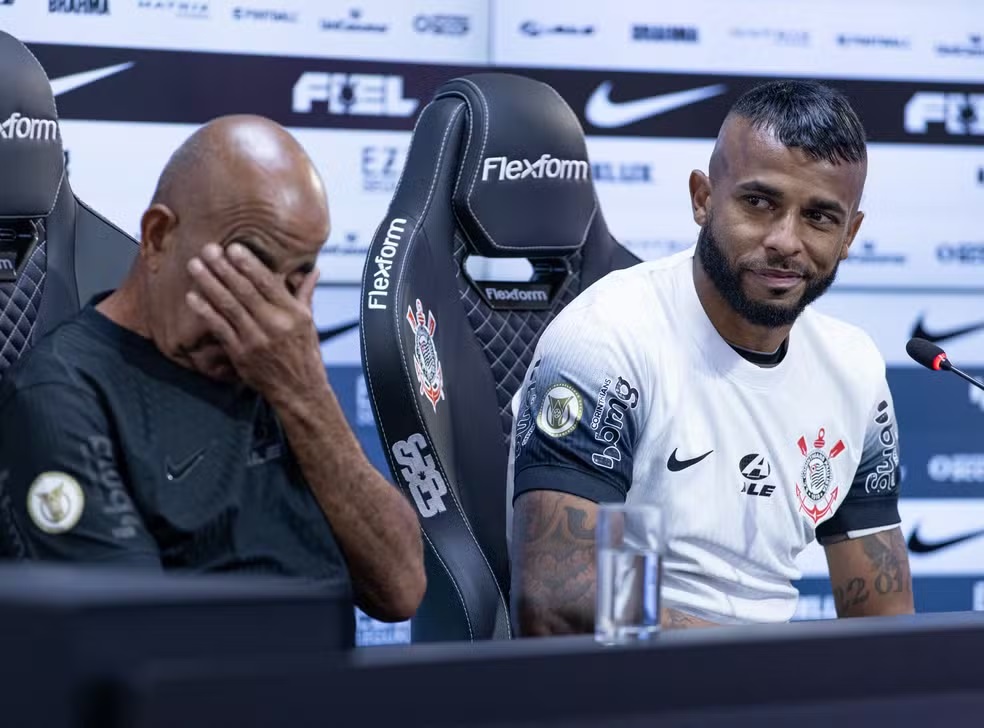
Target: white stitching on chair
{"x": 399, "y": 340}
{"x": 37, "y": 290}
{"x": 416, "y": 404}
{"x": 471, "y": 189}
{"x": 594, "y": 197}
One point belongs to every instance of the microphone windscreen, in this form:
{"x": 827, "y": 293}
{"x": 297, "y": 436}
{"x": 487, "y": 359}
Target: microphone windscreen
{"x": 926, "y": 353}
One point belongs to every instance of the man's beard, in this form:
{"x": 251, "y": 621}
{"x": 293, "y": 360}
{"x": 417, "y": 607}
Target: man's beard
{"x": 727, "y": 280}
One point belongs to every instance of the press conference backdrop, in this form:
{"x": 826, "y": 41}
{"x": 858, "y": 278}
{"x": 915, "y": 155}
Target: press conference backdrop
{"x": 650, "y": 83}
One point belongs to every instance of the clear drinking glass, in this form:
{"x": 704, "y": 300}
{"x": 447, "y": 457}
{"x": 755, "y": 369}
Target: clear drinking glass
{"x": 628, "y": 540}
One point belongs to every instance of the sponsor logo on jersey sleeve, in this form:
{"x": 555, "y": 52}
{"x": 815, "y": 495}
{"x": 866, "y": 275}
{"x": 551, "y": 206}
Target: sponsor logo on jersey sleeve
{"x": 560, "y": 410}
{"x": 524, "y": 425}
{"x": 55, "y": 502}
{"x": 608, "y": 419}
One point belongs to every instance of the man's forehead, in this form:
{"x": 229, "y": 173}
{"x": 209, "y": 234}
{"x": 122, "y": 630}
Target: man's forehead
{"x": 746, "y": 150}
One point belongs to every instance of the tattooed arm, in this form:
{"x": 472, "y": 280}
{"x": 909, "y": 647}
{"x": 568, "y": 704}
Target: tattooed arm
{"x": 553, "y": 563}
{"x": 870, "y": 575}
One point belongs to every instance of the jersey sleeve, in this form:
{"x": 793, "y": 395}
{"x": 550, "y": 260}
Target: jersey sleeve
{"x": 872, "y": 503}
{"x": 580, "y": 410}
{"x": 62, "y": 496}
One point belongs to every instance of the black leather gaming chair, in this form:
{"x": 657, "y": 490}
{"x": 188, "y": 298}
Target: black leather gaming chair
{"x": 55, "y": 252}
{"x": 498, "y": 168}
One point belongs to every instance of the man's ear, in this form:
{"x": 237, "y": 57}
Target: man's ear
{"x": 852, "y": 231}
{"x": 700, "y": 195}
{"x": 156, "y": 225}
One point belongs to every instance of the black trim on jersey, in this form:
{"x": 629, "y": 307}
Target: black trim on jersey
{"x": 761, "y": 359}
{"x": 567, "y": 479}
{"x": 859, "y": 514}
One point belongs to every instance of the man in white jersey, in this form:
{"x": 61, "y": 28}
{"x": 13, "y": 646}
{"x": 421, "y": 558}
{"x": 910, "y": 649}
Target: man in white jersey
{"x": 705, "y": 384}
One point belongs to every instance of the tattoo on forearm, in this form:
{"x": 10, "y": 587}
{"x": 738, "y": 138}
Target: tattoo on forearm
{"x": 675, "y": 619}
{"x": 852, "y": 594}
{"x": 554, "y": 576}
{"x": 887, "y": 554}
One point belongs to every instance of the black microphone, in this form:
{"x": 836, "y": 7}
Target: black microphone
{"x": 933, "y": 357}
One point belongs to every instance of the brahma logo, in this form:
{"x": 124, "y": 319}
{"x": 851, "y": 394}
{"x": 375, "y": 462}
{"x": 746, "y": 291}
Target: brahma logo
{"x": 546, "y": 167}
{"x": 88, "y": 7}
{"x": 24, "y": 127}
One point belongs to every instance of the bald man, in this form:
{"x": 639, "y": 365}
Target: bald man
{"x": 706, "y": 385}
{"x": 185, "y": 420}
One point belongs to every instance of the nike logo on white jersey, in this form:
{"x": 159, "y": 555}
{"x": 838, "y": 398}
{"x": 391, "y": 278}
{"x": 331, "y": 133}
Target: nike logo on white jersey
{"x": 65, "y": 84}
{"x": 604, "y": 113}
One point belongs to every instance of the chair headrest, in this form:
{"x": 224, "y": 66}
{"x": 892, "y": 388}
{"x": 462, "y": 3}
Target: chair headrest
{"x": 31, "y": 158}
{"x": 524, "y": 184}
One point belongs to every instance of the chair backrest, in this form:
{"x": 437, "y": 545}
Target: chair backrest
{"x": 55, "y": 252}
{"x": 497, "y": 168}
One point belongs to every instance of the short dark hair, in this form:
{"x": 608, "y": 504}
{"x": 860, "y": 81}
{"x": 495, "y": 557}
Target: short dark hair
{"x": 808, "y": 115}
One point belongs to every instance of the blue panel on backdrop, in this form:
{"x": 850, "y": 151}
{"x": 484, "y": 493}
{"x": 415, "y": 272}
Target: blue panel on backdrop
{"x": 941, "y": 433}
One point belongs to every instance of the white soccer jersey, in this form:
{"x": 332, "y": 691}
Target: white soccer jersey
{"x": 633, "y": 395}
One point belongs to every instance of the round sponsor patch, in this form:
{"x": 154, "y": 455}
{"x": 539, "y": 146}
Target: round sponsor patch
{"x": 55, "y": 502}
{"x": 560, "y": 411}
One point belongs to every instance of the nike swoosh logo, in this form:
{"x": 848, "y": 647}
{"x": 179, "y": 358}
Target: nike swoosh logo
{"x": 326, "y": 334}
{"x": 604, "y": 113}
{"x": 176, "y": 471}
{"x": 65, "y": 84}
{"x": 918, "y": 546}
{"x": 919, "y": 332}
{"x": 674, "y": 465}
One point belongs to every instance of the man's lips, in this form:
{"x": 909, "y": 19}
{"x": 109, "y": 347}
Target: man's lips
{"x": 777, "y": 278}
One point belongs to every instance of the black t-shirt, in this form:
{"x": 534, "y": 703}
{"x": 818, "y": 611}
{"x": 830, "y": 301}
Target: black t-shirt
{"x": 110, "y": 452}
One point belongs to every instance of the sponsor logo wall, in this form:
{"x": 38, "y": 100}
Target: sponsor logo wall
{"x": 650, "y": 86}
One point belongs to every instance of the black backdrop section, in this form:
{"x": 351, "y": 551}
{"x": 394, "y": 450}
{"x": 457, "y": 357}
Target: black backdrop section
{"x": 379, "y": 95}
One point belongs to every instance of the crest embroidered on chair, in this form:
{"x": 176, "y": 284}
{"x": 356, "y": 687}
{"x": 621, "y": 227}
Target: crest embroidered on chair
{"x": 425, "y": 360}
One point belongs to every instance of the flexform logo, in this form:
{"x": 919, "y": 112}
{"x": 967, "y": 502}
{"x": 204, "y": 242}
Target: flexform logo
{"x": 522, "y": 296}
{"x": 24, "y": 128}
{"x": 960, "y": 114}
{"x": 356, "y": 94}
{"x": 546, "y": 167}
{"x": 82, "y": 7}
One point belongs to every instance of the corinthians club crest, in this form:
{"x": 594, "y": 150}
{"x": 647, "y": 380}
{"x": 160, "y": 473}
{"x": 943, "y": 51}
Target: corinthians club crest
{"x": 425, "y": 361}
{"x": 814, "y": 500}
